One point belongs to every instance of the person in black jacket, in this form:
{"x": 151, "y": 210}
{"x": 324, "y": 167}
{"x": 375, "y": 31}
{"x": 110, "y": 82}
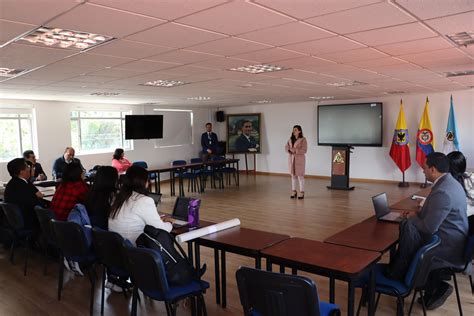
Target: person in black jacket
{"x": 209, "y": 142}
{"x": 21, "y": 192}
{"x": 63, "y": 161}
{"x": 39, "y": 174}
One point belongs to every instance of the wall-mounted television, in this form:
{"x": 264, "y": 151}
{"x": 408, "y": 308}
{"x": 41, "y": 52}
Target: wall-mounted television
{"x": 143, "y": 126}
{"x": 357, "y": 124}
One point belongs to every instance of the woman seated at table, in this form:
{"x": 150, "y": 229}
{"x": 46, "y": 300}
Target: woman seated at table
{"x": 119, "y": 161}
{"x": 72, "y": 190}
{"x": 133, "y": 209}
{"x": 457, "y": 168}
{"x": 101, "y": 195}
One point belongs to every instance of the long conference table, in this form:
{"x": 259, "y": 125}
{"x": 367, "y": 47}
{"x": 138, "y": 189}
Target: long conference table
{"x": 346, "y": 255}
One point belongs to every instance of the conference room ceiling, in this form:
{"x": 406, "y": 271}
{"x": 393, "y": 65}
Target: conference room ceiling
{"x": 341, "y": 49}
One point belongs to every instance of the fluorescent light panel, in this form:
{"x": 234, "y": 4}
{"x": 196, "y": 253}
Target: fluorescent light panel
{"x": 262, "y": 101}
{"x": 459, "y": 73}
{"x": 322, "y": 98}
{"x": 258, "y": 69}
{"x": 462, "y": 38}
{"x": 10, "y": 72}
{"x": 199, "y": 98}
{"x": 105, "y": 94}
{"x": 346, "y": 84}
{"x": 164, "y": 83}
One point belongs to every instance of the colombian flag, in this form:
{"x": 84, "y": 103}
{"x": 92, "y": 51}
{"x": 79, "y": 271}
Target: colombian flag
{"x": 400, "y": 150}
{"x": 424, "y": 138}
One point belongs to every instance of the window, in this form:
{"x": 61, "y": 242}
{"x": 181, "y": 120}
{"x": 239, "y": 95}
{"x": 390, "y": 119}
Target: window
{"x": 17, "y": 132}
{"x": 177, "y": 128}
{"x": 98, "y": 131}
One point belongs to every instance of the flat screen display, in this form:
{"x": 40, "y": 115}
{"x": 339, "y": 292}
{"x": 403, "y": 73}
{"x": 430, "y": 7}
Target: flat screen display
{"x": 143, "y": 126}
{"x": 350, "y": 124}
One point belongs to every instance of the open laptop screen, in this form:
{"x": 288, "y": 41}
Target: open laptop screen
{"x": 380, "y": 205}
{"x": 180, "y": 210}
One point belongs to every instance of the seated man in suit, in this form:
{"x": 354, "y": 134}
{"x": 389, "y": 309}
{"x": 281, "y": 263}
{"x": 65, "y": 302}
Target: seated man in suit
{"x": 208, "y": 142}
{"x": 61, "y": 162}
{"x": 21, "y": 192}
{"x": 245, "y": 142}
{"x": 39, "y": 174}
{"x": 444, "y": 214}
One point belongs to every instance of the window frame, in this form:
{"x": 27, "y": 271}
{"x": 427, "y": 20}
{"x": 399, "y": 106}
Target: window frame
{"x": 20, "y": 115}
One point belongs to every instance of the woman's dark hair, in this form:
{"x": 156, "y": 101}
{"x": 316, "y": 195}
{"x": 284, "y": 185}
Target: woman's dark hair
{"x": 101, "y": 194}
{"x": 135, "y": 179}
{"x": 457, "y": 166}
{"x": 72, "y": 172}
{"x": 118, "y": 153}
{"x": 293, "y": 138}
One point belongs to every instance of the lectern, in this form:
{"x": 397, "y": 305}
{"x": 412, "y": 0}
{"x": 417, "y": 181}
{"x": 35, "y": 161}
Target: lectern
{"x": 340, "y": 158}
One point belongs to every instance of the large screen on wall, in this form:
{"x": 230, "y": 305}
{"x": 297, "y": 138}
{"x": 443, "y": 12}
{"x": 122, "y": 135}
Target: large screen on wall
{"x": 350, "y": 124}
{"x": 143, "y": 126}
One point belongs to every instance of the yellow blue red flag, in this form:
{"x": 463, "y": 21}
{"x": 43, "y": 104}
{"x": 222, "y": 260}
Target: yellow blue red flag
{"x": 425, "y": 143}
{"x": 400, "y": 149}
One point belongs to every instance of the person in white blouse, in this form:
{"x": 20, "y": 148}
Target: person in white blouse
{"x": 133, "y": 209}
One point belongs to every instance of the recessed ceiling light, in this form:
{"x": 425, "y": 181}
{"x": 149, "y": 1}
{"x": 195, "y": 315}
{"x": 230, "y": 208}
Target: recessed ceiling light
{"x": 262, "y": 101}
{"x": 106, "y": 94}
{"x": 322, "y": 98}
{"x": 164, "y": 83}
{"x": 395, "y": 92}
{"x": 199, "y": 98}
{"x": 258, "y": 69}
{"x": 346, "y": 84}
{"x": 459, "y": 73}
{"x": 65, "y": 39}
{"x": 462, "y": 38}
{"x": 10, "y": 72}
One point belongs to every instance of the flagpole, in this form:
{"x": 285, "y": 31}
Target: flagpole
{"x": 403, "y": 184}
{"x": 424, "y": 185}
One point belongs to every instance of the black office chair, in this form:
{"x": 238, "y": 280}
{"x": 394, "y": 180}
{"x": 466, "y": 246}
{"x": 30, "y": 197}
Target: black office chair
{"x": 108, "y": 247}
{"x": 20, "y": 234}
{"x": 148, "y": 274}
{"x": 46, "y": 237}
{"x": 72, "y": 245}
{"x": 276, "y": 294}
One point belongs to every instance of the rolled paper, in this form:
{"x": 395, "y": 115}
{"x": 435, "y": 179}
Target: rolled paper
{"x": 207, "y": 230}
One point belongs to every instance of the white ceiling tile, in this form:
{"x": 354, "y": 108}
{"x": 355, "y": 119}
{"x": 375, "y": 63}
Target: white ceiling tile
{"x": 426, "y": 9}
{"x": 362, "y": 18}
{"x": 34, "y": 11}
{"x": 168, "y": 10}
{"x": 115, "y": 73}
{"x": 323, "y": 46}
{"x": 90, "y": 79}
{"x": 464, "y": 80}
{"x": 353, "y": 55}
{"x": 93, "y": 60}
{"x": 182, "y": 56}
{"x": 175, "y": 35}
{"x": 440, "y": 54}
{"x": 228, "y": 46}
{"x": 453, "y": 24}
{"x": 225, "y": 19}
{"x": 190, "y": 70}
{"x": 129, "y": 49}
{"x": 393, "y": 34}
{"x": 377, "y": 63}
{"x": 416, "y": 46}
{"x": 100, "y": 20}
{"x": 308, "y": 63}
{"x": 294, "y": 32}
{"x": 10, "y": 30}
{"x": 144, "y": 65}
{"x": 26, "y": 56}
{"x": 269, "y": 55}
{"x": 307, "y": 8}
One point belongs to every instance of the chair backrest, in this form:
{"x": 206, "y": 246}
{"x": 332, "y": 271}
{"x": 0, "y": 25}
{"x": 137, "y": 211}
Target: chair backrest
{"x": 276, "y": 294}
{"x": 178, "y": 162}
{"x": 108, "y": 247}
{"x": 418, "y": 271}
{"x": 217, "y": 158}
{"x": 196, "y": 160}
{"x": 12, "y": 215}
{"x": 45, "y": 216}
{"x": 70, "y": 239}
{"x": 147, "y": 269}
{"x": 141, "y": 163}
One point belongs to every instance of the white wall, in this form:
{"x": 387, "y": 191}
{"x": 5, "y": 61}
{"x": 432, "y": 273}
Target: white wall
{"x": 53, "y": 134}
{"x": 366, "y": 162}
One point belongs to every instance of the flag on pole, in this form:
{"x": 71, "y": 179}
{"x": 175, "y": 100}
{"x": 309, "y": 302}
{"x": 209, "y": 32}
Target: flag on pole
{"x": 451, "y": 141}
{"x": 400, "y": 149}
{"x": 424, "y": 138}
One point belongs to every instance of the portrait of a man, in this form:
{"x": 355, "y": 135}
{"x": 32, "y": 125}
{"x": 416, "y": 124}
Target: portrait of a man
{"x": 243, "y": 133}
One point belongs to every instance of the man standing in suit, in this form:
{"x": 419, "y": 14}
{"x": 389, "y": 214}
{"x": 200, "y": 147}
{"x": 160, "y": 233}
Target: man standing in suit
{"x": 23, "y": 193}
{"x": 443, "y": 213}
{"x": 209, "y": 142}
{"x": 39, "y": 174}
{"x": 245, "y": 142}
{"x": 63, "y": 161}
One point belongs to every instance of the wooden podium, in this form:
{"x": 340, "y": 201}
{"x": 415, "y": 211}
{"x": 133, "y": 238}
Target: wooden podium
{"x": 340, "y": 158}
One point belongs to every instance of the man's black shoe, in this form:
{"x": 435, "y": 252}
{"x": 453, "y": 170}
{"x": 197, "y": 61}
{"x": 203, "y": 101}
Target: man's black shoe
{"x": 439, "y": 297}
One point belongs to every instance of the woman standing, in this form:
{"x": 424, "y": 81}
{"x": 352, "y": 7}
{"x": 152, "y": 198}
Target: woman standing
{"x": 119, "y": 161}
{"x": 297, "y": 147}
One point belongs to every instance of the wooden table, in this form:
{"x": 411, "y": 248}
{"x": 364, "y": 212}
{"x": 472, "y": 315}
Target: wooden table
{"x": 238, "y": 240}
{"x": 409, "y": 204}
{"x": 333, "y": 261}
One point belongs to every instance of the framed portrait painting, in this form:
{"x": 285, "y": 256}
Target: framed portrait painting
{"x": 243, "y": 133}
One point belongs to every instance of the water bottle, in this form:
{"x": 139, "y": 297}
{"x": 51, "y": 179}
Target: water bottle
{"x": 193, "y": 212}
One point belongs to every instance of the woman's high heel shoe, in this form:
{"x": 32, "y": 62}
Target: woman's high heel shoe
{"x": 301, "y": 196}
{"x": 293, "y": 195}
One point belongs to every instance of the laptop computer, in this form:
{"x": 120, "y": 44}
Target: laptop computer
{"x": 180, "y": 212}
{"x": 382, "y": 212}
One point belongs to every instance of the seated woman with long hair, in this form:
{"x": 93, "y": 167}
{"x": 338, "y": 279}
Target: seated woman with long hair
{"x": 119, "y": 161}
{"x": 101, "y": 196}
{"x": 457, "y": 168}
{"x": 72, "y": 190}
{"x": 133, "y": 209}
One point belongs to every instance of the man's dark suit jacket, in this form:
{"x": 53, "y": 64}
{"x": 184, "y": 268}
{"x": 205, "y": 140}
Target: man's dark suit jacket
{"x": 39, "y": 170}
{"x": 60, "y": 164}
{"x": 209, "y": 142}
{"x": 242, "y": 144}
{"x": 23, "y": 194}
